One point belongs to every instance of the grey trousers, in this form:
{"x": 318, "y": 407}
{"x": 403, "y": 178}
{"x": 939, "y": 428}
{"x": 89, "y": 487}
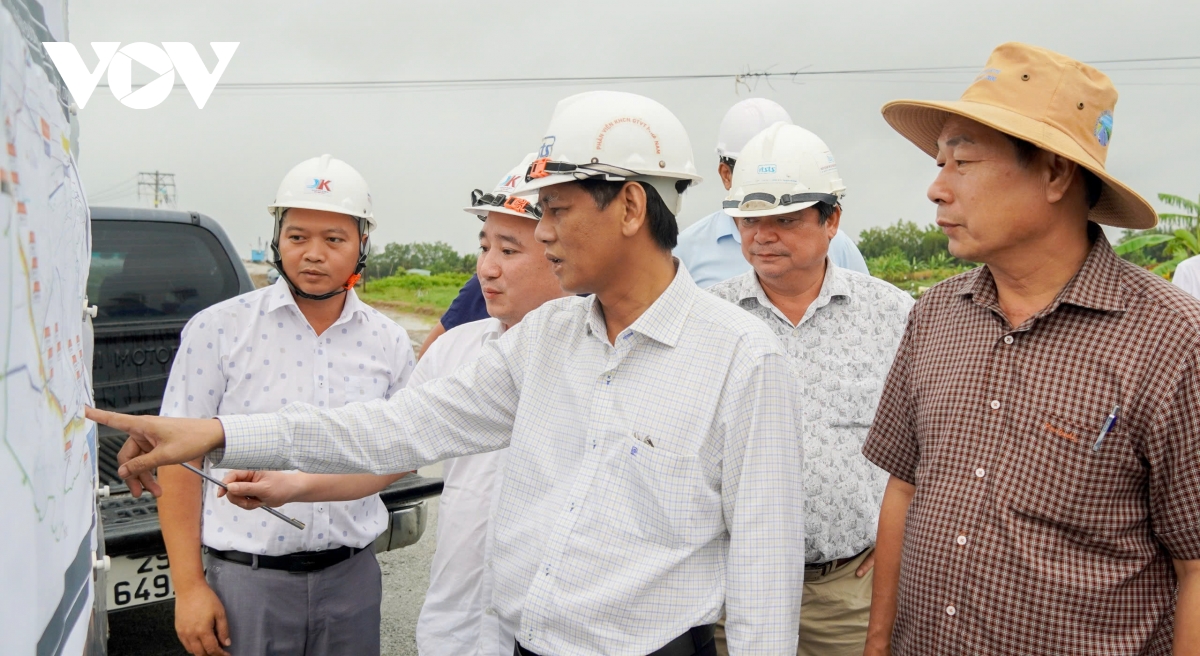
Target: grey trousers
{"x": 332, "y": 612}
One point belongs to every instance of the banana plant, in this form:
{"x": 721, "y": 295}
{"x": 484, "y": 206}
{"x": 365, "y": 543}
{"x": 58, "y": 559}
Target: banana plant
{"x": 1180, "y": 232}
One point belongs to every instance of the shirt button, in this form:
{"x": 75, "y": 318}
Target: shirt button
{"x": 950, "y": 611}
{"x": 995, "y": 405}
{"x": 320, "y": 509}
{"x": 489, "y": 611}
{"x": 1008, "y": 339}
{"x": 489, "y": 563}
{"x": 962, "y": 540}
{"x": 979, "y": 472}
{"x": 320, "y": 384}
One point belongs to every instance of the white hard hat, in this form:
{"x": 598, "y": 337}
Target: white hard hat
{"x": 783, "y": 169}
{"x": 331, "y": 185}
{"x": 744, "y": 120}
{"x": 324, "y": 183}
{"x": 503, "y": 200}
{"x": 620, "y": 136}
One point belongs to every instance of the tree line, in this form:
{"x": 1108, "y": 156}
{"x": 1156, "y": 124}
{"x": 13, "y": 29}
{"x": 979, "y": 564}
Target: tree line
{"x": 435, "y": 257}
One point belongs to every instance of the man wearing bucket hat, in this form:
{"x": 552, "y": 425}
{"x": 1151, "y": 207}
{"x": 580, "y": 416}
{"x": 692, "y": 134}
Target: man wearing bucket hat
{"x": 1041, "y": 422}
{"x": 711, "y": 248}
{"x": 840, "y": 329}
{"x": 653, "y": 475}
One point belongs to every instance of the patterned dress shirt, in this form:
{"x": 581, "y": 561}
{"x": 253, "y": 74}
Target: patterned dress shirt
{"x": 648, "y": 481}
{"x": 840, "y": 353}
{"x": 1028, "y": 534}
{"x": 257, "y": 353}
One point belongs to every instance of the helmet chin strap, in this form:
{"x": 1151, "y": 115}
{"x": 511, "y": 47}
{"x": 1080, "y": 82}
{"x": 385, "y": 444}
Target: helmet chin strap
{"x": 364, "y": 248}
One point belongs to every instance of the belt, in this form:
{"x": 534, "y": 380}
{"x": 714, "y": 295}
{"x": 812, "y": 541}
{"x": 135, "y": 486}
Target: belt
{"x": 304, "y": 561}
{"x": 826, "y": 567}
{"x": 687, "y": 644}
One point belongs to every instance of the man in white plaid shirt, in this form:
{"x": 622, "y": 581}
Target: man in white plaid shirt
{"x": 653, "y": 474}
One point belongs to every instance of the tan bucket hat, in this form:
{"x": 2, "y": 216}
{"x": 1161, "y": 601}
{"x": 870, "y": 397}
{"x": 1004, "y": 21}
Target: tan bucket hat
{"x": 1050, "y": 100}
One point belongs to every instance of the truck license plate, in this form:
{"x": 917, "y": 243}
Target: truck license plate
{"x": 136, "y": 581}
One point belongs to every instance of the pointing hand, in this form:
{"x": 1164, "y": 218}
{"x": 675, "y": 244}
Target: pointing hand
{"x": 157, "y": 441}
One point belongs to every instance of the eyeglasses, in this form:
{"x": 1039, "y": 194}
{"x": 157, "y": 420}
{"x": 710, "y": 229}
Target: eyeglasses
{"x": 764, "y": 201}
{"x": 514, "y": 203}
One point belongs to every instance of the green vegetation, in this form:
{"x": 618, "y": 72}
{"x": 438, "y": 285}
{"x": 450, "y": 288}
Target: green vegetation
{"x": 1176, "y": 238}
{"x": 429, "y": 295}
{"x": 386, "y": 283}
{"x": 436, "y": 257}
{"x": 908, "y": 256}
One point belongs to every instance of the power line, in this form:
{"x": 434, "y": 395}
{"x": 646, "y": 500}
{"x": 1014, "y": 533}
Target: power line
{"x": 118, "y": 185}
{"x": 747, "y": 76}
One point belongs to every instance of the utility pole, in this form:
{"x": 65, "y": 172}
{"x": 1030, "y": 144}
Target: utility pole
{"x": 157, "y": 186}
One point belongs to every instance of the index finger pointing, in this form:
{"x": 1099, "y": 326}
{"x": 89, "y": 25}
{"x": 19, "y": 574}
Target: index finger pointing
{"x": 111, "y": 419}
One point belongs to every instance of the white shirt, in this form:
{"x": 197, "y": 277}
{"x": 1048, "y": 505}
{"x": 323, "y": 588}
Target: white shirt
{"x": 257, "y": 353}
{"x": 647, "y": 482}
{"x": 841, "y": 351}
{"x": 1187, "y": 276}
{"x": 458, "y": 618}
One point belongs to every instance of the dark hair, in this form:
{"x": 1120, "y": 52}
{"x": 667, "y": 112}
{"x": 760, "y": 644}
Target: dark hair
{"x": 825, "y": 210}
{"x": 1027, "y": 152}
{"x": 728, "y": 161}
{"x": 663, "y": 227}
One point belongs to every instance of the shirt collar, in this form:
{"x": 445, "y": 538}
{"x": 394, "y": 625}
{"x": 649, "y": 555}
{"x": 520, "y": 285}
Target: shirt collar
{"x": 835, "y": 285}
{"x": 280, "y": 295}
{"x": 663, "y": 321}
{"x": 1097, "y": 284}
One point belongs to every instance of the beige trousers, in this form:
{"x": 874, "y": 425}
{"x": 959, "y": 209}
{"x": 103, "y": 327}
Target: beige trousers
{"x": 833, "y": 613}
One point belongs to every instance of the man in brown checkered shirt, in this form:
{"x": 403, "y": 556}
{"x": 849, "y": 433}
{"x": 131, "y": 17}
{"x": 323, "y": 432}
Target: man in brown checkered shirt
{"x": 1041, "y": 423}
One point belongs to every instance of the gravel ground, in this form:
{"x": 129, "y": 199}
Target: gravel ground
{"x": 151, "y": 631}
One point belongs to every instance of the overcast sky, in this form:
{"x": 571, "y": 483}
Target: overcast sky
{"x": 423, "y": 150}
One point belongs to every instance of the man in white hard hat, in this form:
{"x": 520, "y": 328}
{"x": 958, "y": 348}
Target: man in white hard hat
{"x": 840, "y": 329}
{"x": 711, "y": 247}
{"x": 270, "y": 587}
{"x": 653, "y": 475}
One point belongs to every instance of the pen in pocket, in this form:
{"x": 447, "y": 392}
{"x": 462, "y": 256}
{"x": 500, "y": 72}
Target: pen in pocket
{"x": 1108, "y": 425}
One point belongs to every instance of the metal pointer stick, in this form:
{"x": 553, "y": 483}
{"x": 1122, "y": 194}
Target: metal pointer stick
{"x": 294, "y": 522}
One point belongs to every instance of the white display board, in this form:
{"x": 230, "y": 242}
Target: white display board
{"x": 47, "y": 449}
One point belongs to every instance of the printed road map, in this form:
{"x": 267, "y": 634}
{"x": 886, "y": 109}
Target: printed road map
{"x": 47, "y": 449}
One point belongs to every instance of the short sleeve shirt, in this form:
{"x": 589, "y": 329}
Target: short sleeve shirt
{"x": 257, "y": 353}
{"x": 1187, "y": 276}
{"x": 468, "y": 306}
{"x": 1024, "y": 535}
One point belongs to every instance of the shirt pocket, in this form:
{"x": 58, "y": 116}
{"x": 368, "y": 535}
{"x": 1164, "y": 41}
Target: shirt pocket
{"x": 669, "y": 501}
{"x": 358, "y": 389}
{"x": 1058, "y": 479}
{"x": 852, "y": 403}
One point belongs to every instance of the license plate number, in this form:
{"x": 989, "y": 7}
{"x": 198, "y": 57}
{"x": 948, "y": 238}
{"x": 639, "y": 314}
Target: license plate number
{"x": 137, "y": 581}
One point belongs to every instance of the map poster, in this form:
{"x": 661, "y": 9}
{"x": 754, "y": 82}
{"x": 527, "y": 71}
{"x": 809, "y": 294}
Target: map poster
{"x": 47, "y": 449}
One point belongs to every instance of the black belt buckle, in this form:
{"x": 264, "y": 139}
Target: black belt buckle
{"x": 302, "y": 563}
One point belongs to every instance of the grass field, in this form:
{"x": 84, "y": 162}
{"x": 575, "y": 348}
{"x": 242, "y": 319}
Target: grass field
{"x": 914, "y": 276}
{"x": 427, "y": 295}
